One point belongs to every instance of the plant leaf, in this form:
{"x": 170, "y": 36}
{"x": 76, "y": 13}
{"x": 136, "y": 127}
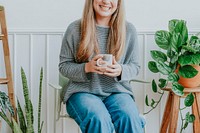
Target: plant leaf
{"x": 192, "y": 48}
{"x": 152, "y": 67}
{"x": 5, "y": 103}
{"x": 163, "y": 83}
{"x": 173, "y": 55}
{"x": 174, "y": 58}
{"x": 28, "y": 106}
{"x": 147, "y": 100}
{"x": 189, "y": 100}
{"x": 22, "y": 121}
{"x": 16, "y": 128}
{"x": 162, "y": 39}
{"x": 179, "y": 27}
{"x": 173, "y": 77}
{"x": 177, "y": 88}
{"x": 187, "y": 71}
{"x": 189, "y": 117}
{"x": 158, "y": 55}
{"x": 172, "y": 25}
{"x": 183, "y": 31}
{"x": 40, "y": 129}
{"x": 163, "y": 68}
{"x": 31, "y": 111}
{"x": 173, "y": 66}
{"x": 152, "y": 102}
{"x": 175, "y": 43}
{"x": 194, "y": 41}
{"x": 185, "y": 125}
{"x": 39, "y": 101}
{"x": 193, "y": 59}
{"x": 6, "y": 119}
{"x": 154, "y": 86}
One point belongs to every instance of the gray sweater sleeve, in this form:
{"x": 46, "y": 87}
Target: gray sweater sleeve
{"x": 68, "y": 66}
{"x": 130, "y": 68}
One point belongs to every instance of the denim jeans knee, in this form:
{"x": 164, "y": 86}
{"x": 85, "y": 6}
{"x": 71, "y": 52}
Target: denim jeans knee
{"x": 90, "y": 113}
{"x": 124, "y": 113}
{"x": 117, "y": 112}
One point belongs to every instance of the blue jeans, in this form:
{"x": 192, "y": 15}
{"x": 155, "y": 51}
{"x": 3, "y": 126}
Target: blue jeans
{"x": 118, "y": 113}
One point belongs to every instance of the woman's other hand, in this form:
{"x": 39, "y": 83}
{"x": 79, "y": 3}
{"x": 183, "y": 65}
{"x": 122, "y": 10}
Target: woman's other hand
{"x": 113, "y": 70}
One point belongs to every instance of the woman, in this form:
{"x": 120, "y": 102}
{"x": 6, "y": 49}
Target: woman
{"x": 100, "y": 99}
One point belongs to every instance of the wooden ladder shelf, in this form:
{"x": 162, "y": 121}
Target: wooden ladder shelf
{"x": 4, "y": 41}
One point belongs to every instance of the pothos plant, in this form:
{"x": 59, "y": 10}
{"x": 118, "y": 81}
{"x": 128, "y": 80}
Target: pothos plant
{"x": 25, "y": 119}
{"x": 177, "y": 49}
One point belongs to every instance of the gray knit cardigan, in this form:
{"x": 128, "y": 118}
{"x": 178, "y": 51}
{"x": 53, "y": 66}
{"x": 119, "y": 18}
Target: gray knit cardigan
{"x": 96, "y": 84}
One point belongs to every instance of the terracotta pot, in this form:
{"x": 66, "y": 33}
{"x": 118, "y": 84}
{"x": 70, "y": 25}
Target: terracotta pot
{"x": 191, "y": 82}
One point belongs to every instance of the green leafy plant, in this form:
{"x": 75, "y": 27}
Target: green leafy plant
{"x": 177, "y": 50}
{"x": 4, "y": 106}
{"x": 25, "y": 120}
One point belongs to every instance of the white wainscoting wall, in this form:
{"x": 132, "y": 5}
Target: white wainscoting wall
{"x": 33, "y": 49}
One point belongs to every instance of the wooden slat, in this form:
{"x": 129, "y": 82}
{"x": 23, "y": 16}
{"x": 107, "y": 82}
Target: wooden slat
{"x": 1, "y": 36}
{"x": 174, "y": 113}
{"x": 1, "y": 8}
{"x": 197, "y": 96}
{"x": 3, "y": 81}
{"x": 187, "y": 90}
{"x": 196, "y": 124}
{"x": 166, "y": 116}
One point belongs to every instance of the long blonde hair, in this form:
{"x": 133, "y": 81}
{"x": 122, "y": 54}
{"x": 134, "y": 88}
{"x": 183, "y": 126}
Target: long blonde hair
{"x": 117, "y": 34}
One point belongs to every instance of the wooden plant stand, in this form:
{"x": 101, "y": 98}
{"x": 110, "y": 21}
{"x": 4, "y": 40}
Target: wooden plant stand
{"x": 170, "y": 116}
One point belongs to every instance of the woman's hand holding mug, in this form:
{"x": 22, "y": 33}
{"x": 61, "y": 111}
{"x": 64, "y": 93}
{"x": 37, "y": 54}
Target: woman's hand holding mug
{"x": 91, "y": 66}
{"x": 104, "y": 64}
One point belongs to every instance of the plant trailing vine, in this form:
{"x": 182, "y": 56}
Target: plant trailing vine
{"x": 189, "y": 118}
{"x": 178, "y": 52}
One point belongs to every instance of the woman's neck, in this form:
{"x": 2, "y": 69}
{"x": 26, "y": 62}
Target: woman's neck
{"x": 103, "y": 21}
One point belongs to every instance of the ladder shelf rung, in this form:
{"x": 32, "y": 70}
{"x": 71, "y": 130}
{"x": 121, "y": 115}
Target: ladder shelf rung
{"x": 3, "y": 81}
{"x": 1, "y": 36}
{"x": 1, "y": 8}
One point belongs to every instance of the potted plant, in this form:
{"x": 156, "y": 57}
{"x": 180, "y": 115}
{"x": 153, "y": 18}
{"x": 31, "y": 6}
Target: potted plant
{"x": 25, "y": 119}
{"x": 178, "y": 59}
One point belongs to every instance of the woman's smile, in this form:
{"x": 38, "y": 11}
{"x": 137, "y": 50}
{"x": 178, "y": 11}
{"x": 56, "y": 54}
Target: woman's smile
{"x": 104, "y": 9}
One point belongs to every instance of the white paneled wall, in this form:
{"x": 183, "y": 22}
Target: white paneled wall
{"x": 33, "y": 50}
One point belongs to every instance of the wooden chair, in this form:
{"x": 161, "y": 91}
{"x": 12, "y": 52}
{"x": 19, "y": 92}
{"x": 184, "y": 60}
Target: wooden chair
{"x": 57, "y": 101}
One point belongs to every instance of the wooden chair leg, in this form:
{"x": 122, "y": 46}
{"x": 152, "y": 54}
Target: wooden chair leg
{"x": 166, "y": 118}
{"x": 174, "y": 113}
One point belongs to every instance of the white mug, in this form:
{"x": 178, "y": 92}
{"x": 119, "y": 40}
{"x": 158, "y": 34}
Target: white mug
{"x": 107, "y": 58}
